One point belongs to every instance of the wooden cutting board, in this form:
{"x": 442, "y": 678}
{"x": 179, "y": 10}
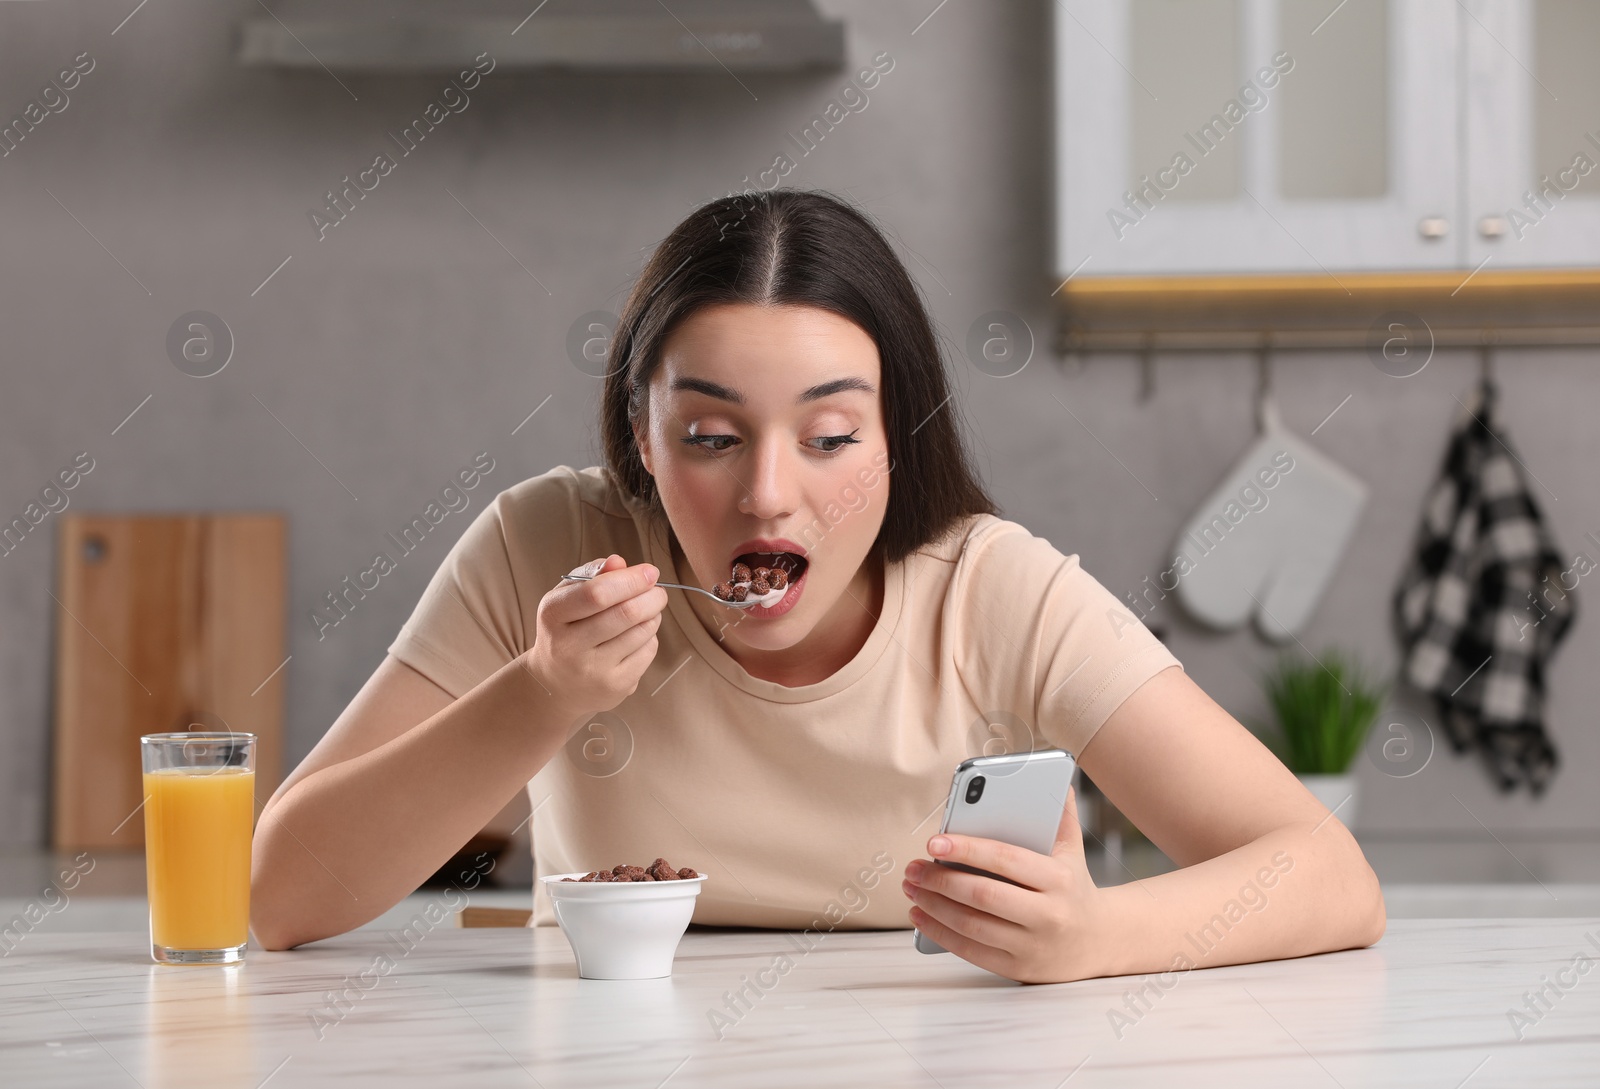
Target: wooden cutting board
{"x": 163, "y": 623}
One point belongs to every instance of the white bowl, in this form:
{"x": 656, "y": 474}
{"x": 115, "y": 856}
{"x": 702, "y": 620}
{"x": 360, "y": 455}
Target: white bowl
{"x": 623, "y": 929}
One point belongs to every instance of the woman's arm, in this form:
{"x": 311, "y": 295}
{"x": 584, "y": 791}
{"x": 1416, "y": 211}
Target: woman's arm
{"x": 1248, "y": 836}
{"x": 1267, "y": 871}
{"x": 402, "y": 779}
{"x": 406, "y": 775}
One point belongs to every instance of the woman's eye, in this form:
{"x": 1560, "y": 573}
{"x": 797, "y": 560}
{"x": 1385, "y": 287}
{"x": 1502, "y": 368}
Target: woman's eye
{"x": 827, "y": 444}
{"x": 709, "y": 442}
{"x": 840, "y": 440}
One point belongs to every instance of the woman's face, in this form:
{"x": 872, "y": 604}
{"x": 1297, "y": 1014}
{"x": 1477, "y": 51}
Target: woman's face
{"x": 765, "y": 434}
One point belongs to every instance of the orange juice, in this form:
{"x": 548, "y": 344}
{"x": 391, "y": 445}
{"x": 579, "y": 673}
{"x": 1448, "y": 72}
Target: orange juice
{"x": 197, "y": 855}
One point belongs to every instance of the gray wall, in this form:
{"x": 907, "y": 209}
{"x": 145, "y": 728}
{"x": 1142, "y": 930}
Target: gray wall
{"x": 408, "y": 339}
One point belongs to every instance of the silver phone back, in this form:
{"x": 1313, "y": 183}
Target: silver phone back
{"x": 1022, "y": 801}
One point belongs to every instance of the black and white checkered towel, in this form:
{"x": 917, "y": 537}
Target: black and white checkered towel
{"x": 1481, "y": 607}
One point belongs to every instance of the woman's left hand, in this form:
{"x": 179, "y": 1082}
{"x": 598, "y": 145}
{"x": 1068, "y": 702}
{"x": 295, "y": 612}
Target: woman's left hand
{"x": 1046, "y": 931}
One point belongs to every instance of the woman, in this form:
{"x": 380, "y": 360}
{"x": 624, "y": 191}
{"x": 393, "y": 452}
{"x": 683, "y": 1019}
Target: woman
{"x": 775, "y": 388}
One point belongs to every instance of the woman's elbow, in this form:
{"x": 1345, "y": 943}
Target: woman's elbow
{"x": 1365, "y": 897}
{"x": 1378, "y": 920}
{"x": 270, "y": 923}
{"x": 272, "y": 916}
{"x": 269, "y": 938}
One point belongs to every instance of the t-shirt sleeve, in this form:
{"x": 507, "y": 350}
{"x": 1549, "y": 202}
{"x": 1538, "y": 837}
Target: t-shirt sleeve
{"x": 1044, "y": 640}
{"x": 471, "y": 619}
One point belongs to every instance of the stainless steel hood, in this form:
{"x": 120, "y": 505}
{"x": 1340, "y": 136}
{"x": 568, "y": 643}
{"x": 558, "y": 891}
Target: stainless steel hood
{"x": 587, "y": 35}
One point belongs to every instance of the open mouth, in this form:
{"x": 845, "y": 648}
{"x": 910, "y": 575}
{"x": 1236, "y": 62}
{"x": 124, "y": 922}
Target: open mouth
{"x": 790, "y": 563}
{"x": 762, "y": 578}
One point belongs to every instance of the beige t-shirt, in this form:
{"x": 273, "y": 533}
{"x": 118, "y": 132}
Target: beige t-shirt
{"x": 801, "y": 804}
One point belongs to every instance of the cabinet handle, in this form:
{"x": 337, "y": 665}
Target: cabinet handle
{"x": 1433, "y": 227}
{"x": 1492, "y": 226}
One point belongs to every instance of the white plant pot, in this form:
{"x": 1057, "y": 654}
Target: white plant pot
{"x": 1332, "y": 790}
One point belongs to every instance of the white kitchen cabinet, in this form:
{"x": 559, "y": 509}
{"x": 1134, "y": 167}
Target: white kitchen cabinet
{"x": 1533, "y": 132}
{"x": 1320, "y": 136}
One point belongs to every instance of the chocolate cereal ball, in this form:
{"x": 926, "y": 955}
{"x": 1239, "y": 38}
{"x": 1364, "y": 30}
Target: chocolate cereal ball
{"x": 659, "y": 870}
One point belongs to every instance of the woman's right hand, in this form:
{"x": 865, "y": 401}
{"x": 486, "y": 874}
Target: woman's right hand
{"x": 594, "y": 639}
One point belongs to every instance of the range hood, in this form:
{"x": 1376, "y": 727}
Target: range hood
{"x": 586, "y": 35}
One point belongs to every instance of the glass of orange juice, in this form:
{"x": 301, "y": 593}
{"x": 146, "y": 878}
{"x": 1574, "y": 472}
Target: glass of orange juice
{"x": 199, "y": 805}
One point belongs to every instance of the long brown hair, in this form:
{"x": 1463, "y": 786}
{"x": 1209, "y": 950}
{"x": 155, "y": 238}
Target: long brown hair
{"x": 802, "y": 248}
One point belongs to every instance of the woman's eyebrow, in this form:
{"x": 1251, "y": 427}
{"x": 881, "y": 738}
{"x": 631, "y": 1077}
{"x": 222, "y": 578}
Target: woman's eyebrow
{"x": 707, "y": 387}
{"x": 838, "y": 385}
{"x": 815, "y": 393}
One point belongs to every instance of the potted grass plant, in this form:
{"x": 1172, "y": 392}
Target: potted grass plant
{"x": 1324, "y": 710}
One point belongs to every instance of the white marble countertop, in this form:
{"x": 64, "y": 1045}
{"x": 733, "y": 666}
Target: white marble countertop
{"x": 1428, "y": 1005}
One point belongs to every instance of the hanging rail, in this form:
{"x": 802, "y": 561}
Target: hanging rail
{"x": 1508, "y": 309}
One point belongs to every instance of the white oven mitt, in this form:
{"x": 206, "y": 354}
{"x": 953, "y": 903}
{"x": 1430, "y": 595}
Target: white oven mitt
{"x": 1268, "y": 539}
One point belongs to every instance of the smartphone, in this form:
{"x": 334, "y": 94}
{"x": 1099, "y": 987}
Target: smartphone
{"x": 1016, "y": 798}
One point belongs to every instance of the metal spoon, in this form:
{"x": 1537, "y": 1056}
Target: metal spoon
{"x": 745, "y": 604}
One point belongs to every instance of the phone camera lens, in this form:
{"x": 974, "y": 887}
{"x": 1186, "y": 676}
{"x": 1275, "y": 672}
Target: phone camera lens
{"x": 975, "y": 789}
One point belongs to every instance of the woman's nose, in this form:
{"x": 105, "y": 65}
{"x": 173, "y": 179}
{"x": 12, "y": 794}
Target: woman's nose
{"x": 770, "y": 483}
